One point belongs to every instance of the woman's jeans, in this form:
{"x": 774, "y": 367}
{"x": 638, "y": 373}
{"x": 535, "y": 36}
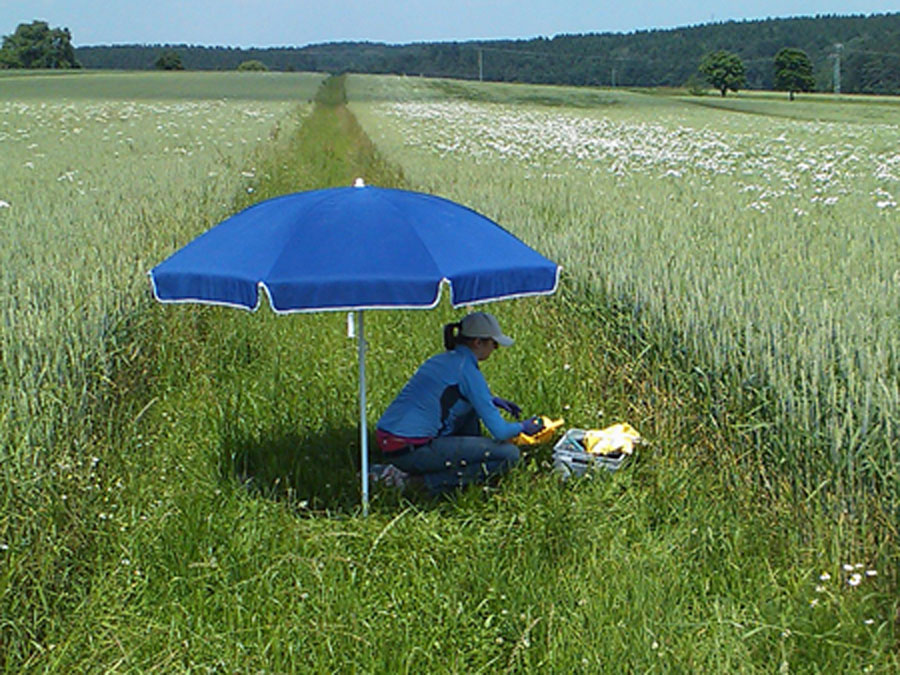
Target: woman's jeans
{"x": 450, "y": 462}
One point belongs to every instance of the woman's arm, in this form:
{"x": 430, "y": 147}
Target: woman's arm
{"x": 474, "y": 387}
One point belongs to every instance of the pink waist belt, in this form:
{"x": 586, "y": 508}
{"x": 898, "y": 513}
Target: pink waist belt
{"x": 391, "y": 444}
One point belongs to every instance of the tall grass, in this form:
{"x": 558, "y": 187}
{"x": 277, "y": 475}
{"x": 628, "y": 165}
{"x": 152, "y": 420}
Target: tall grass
{"x": 95, "y": 191}
{"x": 760, "y": 250}
{"x": 91, "y": 187}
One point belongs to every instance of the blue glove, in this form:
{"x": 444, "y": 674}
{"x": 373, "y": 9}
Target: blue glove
{"x": 532, "y": 426}
{"x": 508, "y": 406}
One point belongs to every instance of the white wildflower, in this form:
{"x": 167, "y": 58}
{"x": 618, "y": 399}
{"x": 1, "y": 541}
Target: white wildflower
{"x": 871, "y": 573}
{"x": 854, "y": 579}
{"x": 4, "y": 204}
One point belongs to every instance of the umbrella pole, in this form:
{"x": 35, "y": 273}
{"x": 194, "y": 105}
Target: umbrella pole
{"x": 363, "y": 436}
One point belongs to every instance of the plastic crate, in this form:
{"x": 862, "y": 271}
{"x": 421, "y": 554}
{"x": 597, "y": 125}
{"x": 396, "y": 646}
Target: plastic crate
{"x": 570, "y": 458}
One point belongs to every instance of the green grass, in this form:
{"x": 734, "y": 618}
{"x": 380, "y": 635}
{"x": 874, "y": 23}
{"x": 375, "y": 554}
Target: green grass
{"x": 845, "y": 109}
{"x": 213, "y": 523}
{"x": 572, "y": 97}
{"x": 757, "y": 251}
{"x": 155, "y": 86}
{"x": 98, "y": 190}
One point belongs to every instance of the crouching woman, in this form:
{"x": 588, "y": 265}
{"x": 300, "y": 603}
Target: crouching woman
{"x": 432, "y": 428}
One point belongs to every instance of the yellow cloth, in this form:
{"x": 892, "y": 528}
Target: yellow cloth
{"x": 617, "y": 438}
{"x": 544, "y": 435}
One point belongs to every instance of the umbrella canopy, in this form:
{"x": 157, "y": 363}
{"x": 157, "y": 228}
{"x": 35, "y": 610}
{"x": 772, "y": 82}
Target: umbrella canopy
{"x": 353, "y": 248}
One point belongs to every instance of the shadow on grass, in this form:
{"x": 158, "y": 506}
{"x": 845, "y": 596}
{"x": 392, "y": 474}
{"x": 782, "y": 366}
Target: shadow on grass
{"x": 316, "y": 470}
{"x": 313, "y": 472}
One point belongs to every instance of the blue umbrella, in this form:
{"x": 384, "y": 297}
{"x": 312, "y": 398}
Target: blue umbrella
{"x": 353, "y": 248}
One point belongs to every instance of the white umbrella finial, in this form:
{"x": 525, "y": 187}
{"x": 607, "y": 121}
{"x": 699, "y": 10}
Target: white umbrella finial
{"x": 359, "y": 182}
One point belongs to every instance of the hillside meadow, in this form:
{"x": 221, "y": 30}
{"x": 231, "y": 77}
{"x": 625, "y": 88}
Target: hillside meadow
{"x": 180, "y": 488}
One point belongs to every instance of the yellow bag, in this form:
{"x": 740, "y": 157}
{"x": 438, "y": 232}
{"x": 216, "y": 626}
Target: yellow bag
{"x": 544, "y": 435}
{"x": 617, "y": 438}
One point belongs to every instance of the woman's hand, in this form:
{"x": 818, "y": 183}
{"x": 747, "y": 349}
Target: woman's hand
{"x": 510, "y": 407}
{"x": 532, "y": 425}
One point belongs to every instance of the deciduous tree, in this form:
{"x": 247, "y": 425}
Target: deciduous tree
{"x": 169, "y": 60}
{"x": 793, "y": 71}
{"x": 36, "y": 45}
{"x": 252, "y": 64}
{"x": 723, "y": 70}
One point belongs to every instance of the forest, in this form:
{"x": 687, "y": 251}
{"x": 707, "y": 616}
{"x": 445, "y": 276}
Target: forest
{"x": 868, "y": 54}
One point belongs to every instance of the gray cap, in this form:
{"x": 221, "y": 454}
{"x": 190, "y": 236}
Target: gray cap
{"x": 483, "y": 325}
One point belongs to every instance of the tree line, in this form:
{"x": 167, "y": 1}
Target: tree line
{"x": 869, "y": 55}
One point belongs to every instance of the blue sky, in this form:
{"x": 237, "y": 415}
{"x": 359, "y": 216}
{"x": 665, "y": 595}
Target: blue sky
{"x": 244, "y": 23}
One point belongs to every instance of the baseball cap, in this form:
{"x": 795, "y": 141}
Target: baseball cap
{"x": 483, "y": 325}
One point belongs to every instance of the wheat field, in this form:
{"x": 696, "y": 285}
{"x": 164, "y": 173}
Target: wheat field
{"x": 763, "y": 246}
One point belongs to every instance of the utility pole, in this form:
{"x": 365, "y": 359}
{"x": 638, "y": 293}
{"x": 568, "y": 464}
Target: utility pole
{"x": 617, "y": 65}
{"x": 837, "y": 67}
{"x": 480, "y": 65}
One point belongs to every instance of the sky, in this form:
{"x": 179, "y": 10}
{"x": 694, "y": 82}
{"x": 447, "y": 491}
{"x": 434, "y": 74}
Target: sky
{"x": 269, "y": 23}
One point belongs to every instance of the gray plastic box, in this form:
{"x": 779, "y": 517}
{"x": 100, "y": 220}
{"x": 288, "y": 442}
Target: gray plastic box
{"x": 570, "y": 458}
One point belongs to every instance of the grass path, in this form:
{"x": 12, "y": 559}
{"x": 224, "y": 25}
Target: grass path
{"x": 218, "y": 528}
